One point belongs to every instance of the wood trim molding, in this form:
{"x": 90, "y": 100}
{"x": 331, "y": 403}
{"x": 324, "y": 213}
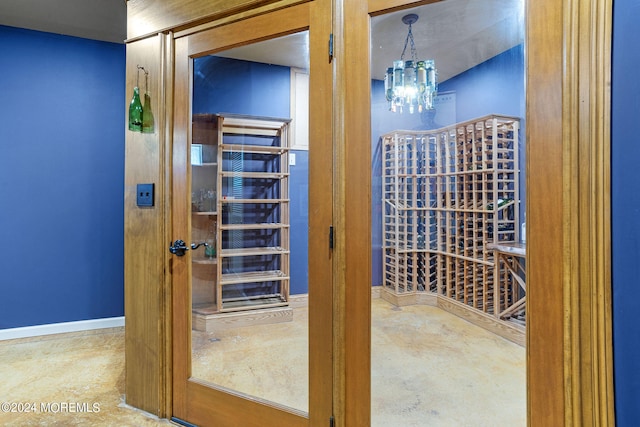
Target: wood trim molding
{"x": 165, "y": 123}
{"x": 225, "y": 20}
{"x": 352, "y": 214}
{"x": 149, "y": 17}
{"x": 321, "y": 172}
{"x": 569, "y": 348}
{"x": 289, "y": 21}
{"x": 587, "y": 97}
{"x": 145, "y": 243}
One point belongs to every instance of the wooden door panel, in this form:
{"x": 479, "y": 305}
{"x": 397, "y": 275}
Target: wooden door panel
{"x": 207, "y": 404}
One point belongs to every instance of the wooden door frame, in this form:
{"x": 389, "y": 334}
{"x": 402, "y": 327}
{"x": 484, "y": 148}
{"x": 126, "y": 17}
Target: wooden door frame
{"x": 568, "y": 84}
{"x": 191, "y": 397}
{"x": 568, "y": 213}
{"x": 569, "y": 347}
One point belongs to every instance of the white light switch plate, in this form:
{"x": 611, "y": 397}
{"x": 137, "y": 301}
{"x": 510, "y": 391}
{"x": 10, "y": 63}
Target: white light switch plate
{"x": 292, "y": 159}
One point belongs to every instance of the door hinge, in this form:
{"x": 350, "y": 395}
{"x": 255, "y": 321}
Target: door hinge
{"x": 332, "y": 421}
{"x": 331, "y": 237}
{"x": 330, "y": 48}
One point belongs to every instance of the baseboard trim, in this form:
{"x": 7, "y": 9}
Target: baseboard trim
{"x": 511, "y": 331}
{"x": 60, "y": 328}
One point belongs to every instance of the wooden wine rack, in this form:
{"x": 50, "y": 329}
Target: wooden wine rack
{"x": 446, "y": 195}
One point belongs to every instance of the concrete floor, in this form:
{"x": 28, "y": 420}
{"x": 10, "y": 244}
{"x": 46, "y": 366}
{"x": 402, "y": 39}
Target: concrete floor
{"x": 55, "y": 370}
{"x": 430, "y": 368}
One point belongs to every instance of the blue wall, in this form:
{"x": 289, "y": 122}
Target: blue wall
{"x": 61, "y": 178}
{"x": 224, "y": 85}
{"x": 494, "y": 87}
{"x": 625, "y": 183}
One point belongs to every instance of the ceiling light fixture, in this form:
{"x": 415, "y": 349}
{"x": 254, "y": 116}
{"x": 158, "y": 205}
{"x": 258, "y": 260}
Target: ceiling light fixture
{"x": 413, "y": 82}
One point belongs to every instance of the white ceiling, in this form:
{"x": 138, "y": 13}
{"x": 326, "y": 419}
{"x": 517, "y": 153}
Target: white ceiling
{"x": 457, "y": 34}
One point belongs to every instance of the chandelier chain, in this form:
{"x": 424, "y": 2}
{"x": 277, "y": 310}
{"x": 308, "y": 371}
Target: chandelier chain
{"x": 414, "y": 52}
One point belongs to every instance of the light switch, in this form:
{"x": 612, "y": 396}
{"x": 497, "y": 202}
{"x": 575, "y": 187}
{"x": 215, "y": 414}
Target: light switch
{"x": 292, "y": 159}
{"x": 144, "y": 195}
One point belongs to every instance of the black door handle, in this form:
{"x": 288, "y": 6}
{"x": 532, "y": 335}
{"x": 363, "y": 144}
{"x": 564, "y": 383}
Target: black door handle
{"x": 179, "y": 247}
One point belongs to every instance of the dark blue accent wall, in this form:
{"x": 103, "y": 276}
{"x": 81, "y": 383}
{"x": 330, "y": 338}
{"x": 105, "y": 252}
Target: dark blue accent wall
{"x": 495, "y": 86}
{"x": 61, "y": 178}
{"x": 625, "y": 194}
{"x": 299, "y": 194}
{"x": 223, "y": 85}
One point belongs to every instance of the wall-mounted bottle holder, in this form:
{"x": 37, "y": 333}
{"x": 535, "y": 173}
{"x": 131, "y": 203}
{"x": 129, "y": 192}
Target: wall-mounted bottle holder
{"x": 141, "y": 116}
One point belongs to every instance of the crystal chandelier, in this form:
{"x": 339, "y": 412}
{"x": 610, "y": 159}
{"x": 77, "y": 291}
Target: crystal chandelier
{"x": 411, "y": 83}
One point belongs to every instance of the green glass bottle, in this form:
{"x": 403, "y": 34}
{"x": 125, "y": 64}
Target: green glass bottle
{"x": 135, "y": 111}
{"x": 147, "y": 115}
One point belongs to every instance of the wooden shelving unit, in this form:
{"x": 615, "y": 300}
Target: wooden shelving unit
{"x": 204, "y": 213}
{"x": 251, "y": 214}
{"x": 447, "y": 194}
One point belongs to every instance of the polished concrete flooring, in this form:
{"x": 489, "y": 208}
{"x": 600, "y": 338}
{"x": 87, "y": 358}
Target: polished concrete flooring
{"x": 430, "y": 368}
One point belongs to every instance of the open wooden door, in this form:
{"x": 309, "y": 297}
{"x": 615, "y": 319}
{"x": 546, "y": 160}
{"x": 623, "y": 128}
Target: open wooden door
{"x": 567, "y": 74}
{"x": 251, "y": 185}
